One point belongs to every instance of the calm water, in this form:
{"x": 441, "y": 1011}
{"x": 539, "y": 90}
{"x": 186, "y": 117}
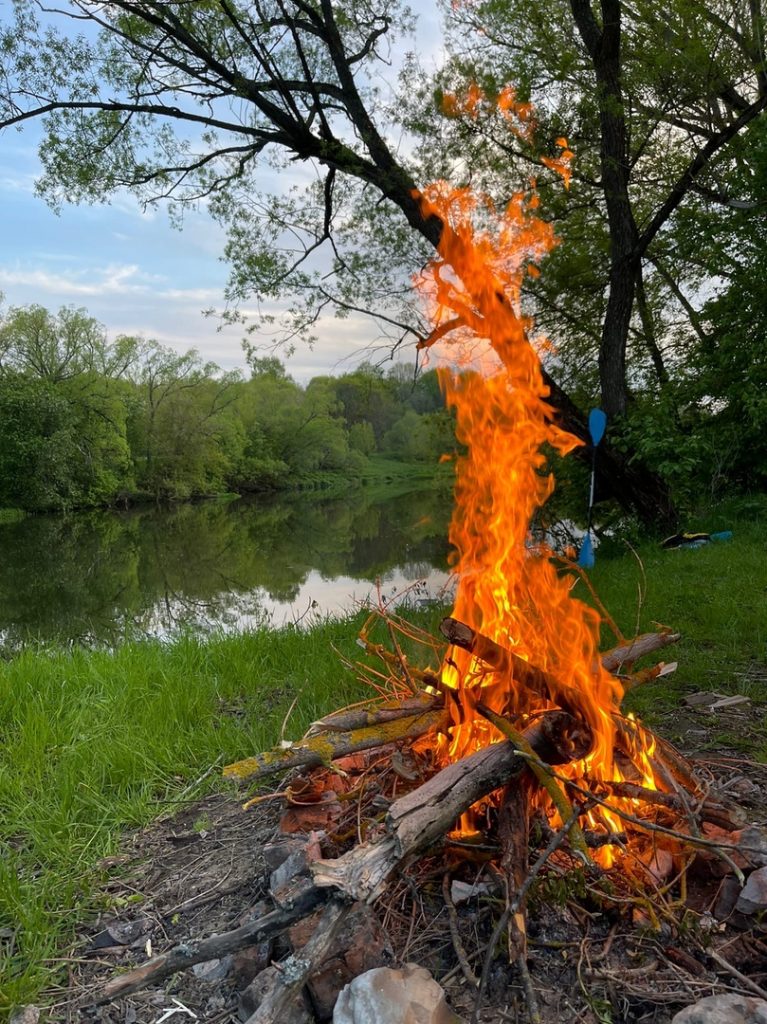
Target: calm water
{"x": 92, "y": 577}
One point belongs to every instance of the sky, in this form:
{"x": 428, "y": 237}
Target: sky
{"x": 137, "y": 274}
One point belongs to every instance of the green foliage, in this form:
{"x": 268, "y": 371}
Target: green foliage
{"x": 90, "y": 422}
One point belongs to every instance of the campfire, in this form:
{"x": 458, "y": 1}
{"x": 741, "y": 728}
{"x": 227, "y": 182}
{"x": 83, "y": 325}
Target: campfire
{"x": 503, "y": 742}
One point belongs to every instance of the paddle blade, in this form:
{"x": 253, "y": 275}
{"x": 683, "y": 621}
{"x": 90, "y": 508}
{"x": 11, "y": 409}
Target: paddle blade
{"x": 597, "y": 424}
{"x": 586, "y": 557}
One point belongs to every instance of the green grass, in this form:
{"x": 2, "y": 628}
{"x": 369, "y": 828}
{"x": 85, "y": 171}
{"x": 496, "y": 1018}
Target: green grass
{"x": 715, "y": 596}
{"x": 93, "y": 742}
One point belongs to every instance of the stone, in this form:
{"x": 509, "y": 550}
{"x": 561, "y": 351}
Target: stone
{"x": 409, "y": 995}
{"x": 729, "y": 891}
{"x": 725, "y": 1009}
{"x": 753, "y": 898}
{"x": 25, "y": 1015}
{"x": 462, "y": 892}
{"x": 213, "y": 971}
{"x": 297, "y": 1012}
{"x": 751, "y": 843}
{"x": 296, "y": 863}
{"x": 249, "y": 962}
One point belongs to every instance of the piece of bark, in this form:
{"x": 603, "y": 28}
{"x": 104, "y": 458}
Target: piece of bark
{"x": 502, "y": 660}
{"x": 293, "y": 973}
{"x": 327, "y": 746}
{"x": 627, "y": 653}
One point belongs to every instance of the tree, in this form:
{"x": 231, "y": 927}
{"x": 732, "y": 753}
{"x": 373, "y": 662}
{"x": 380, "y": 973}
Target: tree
{"x": 651, "y": 98}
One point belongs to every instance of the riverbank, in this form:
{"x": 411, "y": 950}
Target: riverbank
{"x": 97, "y": 743}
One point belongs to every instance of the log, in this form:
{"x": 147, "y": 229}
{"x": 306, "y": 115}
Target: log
{"x": 325, "y": 747}
{"x": 368, "y": 715}
{"x": 502, "y": 660}
{"x": 726, "y": 816}
{"x": 630, "y": 651}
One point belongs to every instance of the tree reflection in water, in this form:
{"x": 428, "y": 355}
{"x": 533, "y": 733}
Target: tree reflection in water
{"x": 96, "y": 577}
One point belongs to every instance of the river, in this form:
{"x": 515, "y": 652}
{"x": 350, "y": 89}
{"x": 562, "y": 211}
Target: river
{"x": 96, "y": 578}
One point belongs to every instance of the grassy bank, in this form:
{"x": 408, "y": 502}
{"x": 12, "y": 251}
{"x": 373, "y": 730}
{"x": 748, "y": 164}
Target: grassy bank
{"x": 94, "y": 743}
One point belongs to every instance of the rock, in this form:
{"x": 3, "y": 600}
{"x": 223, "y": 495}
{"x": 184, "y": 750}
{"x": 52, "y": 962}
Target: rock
{"x": 727, "y": 898}
{"x": 249, "y": 962}
{"x": 726, "y": 1009}
{"x": 753, "y": 898}
{"x": 462, "y": 892}
{"x": 213, "y": 970}
{"x": 25, "y": 1015}
{"x": 386, "y": 996}
{"x": 297, "y": 1013}
{"x": 751, "y": 843}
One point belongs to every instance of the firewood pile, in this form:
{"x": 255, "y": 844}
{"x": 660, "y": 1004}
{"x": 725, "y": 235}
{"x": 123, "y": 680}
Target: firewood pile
{"x": 367, "y": 802}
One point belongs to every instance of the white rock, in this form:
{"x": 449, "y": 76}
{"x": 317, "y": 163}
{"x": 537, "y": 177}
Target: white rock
{"x": 726, "y": 1009}
{"x": 388, "y": 996}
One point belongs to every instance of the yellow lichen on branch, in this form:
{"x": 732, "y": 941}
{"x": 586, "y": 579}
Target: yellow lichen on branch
{"x": 325, "y": 747}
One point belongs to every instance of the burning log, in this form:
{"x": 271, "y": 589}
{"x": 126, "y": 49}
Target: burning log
{"x": 625, "y": 654}
{"x": 725, "y": 816}
{"x": 502, "y": 660}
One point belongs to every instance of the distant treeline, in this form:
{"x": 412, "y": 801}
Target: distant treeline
{"x": 86, "y": 422}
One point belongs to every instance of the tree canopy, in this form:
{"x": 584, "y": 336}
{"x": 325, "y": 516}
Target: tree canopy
{"x": 664, "y": 109}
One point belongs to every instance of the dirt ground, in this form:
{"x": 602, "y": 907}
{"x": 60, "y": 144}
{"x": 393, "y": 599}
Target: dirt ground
{"x": 202, "y": 872}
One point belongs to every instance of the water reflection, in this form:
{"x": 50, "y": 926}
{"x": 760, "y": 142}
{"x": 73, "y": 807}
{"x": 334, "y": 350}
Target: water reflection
{"x": 93, "y": 577}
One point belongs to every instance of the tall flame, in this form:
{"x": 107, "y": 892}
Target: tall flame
{"x": 490, "y": 369}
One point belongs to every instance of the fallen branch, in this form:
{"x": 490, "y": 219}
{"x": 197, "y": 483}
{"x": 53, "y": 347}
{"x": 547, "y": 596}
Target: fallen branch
{"x": 187, "y": 954}
{"x": 292, "y": 974}
{"x": 324, "y": 747}
{"x": 632, "y": 650}
{"x": 730, "y": 817}
{"x": 370, "y": 715}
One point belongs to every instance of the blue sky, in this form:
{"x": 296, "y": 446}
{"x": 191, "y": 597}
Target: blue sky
{"x": 136, "y": 273}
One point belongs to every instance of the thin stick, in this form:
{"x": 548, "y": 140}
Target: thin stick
{"x": 725, "y": 965}
{"x": 554, "y": 843}
{"x": 458, "y": 946}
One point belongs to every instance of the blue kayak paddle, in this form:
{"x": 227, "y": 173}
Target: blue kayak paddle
{"x": 597, "y": 424}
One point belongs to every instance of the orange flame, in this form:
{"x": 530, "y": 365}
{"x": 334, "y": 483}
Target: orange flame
{"x": 490, "y": 370}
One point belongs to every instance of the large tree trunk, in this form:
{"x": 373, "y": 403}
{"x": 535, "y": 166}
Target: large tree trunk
{"x": 635, "y": 486}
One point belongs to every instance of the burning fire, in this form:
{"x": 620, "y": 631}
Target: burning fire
{"x": 508, "y": 589}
